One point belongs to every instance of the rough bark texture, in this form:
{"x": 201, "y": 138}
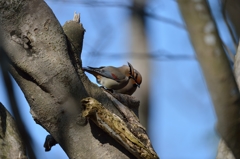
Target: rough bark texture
{"x": 216, "y": 69}
{"x": 38, "y": 52}
{"x": 10, "y": 140}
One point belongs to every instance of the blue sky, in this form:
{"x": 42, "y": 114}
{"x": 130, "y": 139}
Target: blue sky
{"x": 182, "y": 118}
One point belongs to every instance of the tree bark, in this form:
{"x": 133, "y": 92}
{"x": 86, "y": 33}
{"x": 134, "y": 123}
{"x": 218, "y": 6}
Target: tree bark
{"x": 216, "y": 68}
{"x": 38, "y": 52}
{"x": 10, "y": 140}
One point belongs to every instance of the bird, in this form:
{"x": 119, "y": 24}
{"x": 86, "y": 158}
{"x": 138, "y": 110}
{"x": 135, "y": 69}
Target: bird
{"x": 132, "y": 85}
{"x": 111, "y": 77}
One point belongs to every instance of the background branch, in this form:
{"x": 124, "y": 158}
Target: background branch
{"x": 217, "y": 71}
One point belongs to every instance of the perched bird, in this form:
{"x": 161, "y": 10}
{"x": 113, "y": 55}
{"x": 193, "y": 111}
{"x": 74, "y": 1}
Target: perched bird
{"x": 112, "y": 77}
{"x": 132, "y": 85}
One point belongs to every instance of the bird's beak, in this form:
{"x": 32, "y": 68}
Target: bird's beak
{"x": 138, "y": 85}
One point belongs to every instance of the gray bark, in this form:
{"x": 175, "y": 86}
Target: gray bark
{"x": 11, "y": 145}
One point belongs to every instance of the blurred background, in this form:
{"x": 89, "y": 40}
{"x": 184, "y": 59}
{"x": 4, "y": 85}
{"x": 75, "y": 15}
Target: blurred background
{"x": 175, "y": 104}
